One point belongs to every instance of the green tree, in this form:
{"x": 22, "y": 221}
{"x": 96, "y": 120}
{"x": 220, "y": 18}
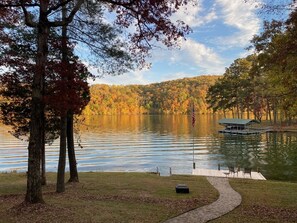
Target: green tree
{"x": 276, "y": 49}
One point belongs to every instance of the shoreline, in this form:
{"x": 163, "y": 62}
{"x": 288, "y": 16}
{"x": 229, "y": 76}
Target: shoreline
{"x": 278, "y": 128}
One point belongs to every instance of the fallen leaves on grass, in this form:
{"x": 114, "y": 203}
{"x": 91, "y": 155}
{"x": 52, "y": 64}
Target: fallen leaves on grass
{"x": 181, "y": 205}
{"x": 19, "y": 211}
{"x": 278, "y": 213}
{"x": 26, "y": 212}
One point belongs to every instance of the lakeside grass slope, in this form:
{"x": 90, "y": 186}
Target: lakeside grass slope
{"x": 263, "y": 201}
{"x": 142, "y": 197}
{"x": 105, "y": 197}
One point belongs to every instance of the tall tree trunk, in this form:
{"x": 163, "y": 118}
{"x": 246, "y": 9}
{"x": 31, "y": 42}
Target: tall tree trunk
{"x": 62, "y": 156}
{"x": 34, "y": 192}
{"x": 270, "y": 116}
{"x": 240, "y": 112}
{"x": 43, "y": 170}
{"x": 248, "y": 111}
{"x": 71, "y": 150}
{"x": 274, "y": 111}
{"x": 64, "y": 117}
{"x": 267, "y": 110}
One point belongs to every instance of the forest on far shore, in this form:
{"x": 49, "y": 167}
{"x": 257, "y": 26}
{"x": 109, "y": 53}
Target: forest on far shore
{"x": 170, "y": 97}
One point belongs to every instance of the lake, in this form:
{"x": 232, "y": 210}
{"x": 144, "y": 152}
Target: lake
{"x": 147, "y": 142}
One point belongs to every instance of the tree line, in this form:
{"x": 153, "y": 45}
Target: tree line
{"x": 265, "y": 83}
{"x": 170, "y": 97}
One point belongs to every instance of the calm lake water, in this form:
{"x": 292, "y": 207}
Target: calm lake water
{"x": 143, "y": 143}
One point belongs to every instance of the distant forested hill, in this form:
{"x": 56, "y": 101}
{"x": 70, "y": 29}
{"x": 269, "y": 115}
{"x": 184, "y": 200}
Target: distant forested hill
{"x": 170, "y": 97}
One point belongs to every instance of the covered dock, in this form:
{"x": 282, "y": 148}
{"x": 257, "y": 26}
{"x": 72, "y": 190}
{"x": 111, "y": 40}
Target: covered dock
{"x": 239, "y": 126}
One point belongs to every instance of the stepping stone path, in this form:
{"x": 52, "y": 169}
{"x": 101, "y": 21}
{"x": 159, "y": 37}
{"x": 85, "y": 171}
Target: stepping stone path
{"x": 228, "y": 200}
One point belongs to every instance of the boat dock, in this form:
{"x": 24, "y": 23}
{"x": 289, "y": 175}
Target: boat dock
{"x": 239, "y": 126}
{"x": 226, "y": 173}
{"x": 242, "y": 132}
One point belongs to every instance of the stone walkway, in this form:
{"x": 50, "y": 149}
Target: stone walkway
{"x": 228, "y": 200}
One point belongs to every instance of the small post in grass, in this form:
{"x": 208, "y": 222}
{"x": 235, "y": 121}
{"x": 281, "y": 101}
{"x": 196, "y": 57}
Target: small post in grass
{"x": 193, "y": 132}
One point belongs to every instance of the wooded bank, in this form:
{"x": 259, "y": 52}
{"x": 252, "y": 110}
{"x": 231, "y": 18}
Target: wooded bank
{"x": 170, "y": 97}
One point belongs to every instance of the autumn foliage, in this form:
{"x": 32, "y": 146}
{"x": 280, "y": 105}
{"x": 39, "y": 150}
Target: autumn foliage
{"x": 170, "y": 97}
{"x": 67, "y": 90}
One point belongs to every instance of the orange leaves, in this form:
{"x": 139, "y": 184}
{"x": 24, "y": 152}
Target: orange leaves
{"x": 172, "y": 97}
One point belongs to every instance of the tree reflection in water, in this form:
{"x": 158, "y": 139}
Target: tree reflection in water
{"x": 273, "y": 154}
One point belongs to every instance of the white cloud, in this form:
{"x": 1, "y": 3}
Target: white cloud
{"x": 196, "y": 54}
{"x": 192, "y": 55}
{"x": 241, "y": 16}
{"x": 177, "y": 75}
{"x": 134, "y": 77}
{"x": 194, "y": 15}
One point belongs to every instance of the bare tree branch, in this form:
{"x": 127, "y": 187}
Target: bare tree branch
{"x": 28, "y": 18}
{"x": 70, "y": 17}
{"x": 18, "y": 5}
{"x": 53, "y": 8}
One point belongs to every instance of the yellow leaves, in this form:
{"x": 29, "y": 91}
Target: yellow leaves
{"x": 171, "y": 97}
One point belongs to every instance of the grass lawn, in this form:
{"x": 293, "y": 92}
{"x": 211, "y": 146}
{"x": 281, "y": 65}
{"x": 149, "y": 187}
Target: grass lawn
{"x": 263, "y": 201}
{"x": 104, "y": 197}
{"x": 142, "y": 197}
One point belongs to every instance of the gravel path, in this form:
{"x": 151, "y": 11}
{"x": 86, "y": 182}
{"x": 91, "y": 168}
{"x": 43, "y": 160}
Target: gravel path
{"x": 228, "y": 200}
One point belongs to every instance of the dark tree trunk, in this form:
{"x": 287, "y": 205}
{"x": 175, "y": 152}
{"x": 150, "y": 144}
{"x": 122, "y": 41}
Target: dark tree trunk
{"x": 34, "y": 192}
{"x": 274, "y": 111}
{"x": 62, "y": 156}
{"x": 248, "y": 112}
{"x": 269, "y": 111}
{"x": 71, "y": 150}
{"x": 65, "y": 128}
{"x": 43, "y": 170}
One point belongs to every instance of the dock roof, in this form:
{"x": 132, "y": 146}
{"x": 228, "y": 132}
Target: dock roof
{"x": 236, "y": 121}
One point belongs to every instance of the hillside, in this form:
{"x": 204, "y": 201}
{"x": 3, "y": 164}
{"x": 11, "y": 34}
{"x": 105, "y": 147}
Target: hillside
{"x": 170, "y": 97}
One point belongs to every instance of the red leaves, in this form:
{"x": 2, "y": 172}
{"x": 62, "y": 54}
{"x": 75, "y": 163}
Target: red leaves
{"x": 66, "y": 89}
{"x": 8, "y": 15}
{"x": 152, "y": 20}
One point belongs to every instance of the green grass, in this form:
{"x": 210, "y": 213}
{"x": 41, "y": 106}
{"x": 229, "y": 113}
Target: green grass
{"x": 105, "y": 197}
{"x": 263, "y": 201}
{"x": 12, "y": 183}
{"x": 142, "y": 197}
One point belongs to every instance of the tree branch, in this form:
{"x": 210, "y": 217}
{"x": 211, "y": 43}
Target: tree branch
{"x": 18, "y": 5}
{"x": 70, "y": 17}
{"x": 53, "y": 8}
{"x": 28, "y": 19}
{"x": 128, "y": 5}
{"x": 119, "y": 3}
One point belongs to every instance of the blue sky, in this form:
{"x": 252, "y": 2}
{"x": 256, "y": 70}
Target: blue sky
{"x": 222, "y": 30}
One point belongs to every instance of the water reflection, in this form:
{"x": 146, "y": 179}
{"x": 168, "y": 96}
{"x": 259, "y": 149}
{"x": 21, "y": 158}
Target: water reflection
{"x": 281, "y": 156}
{"x": 142, "y": 143}
{"x": 176, "y": 125}
{"x": 241, "y": 151}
